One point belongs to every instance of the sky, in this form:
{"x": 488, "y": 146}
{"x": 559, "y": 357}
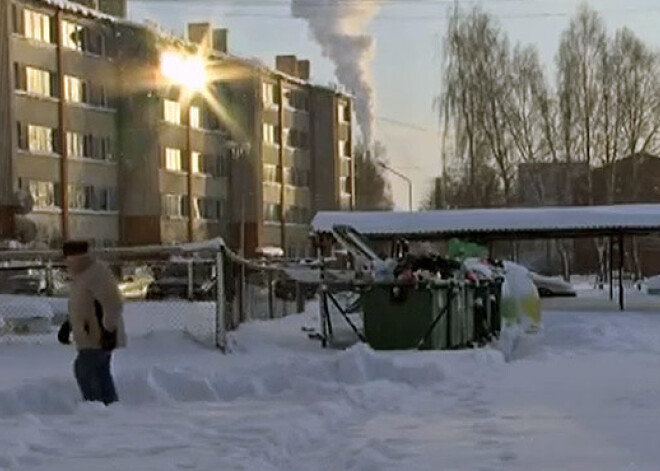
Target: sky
{"x": 407, "y": 67}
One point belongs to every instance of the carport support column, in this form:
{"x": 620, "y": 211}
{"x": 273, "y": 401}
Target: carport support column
{"x": 610, "y": 249}
{"x": 621, "y": 272}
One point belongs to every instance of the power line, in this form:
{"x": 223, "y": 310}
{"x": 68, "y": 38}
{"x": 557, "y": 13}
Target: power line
{"x": 403, "y": 124}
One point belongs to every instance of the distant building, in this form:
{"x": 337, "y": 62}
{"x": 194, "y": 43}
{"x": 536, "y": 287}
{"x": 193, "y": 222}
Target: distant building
{"x": 632, "y": 180}
{"x": 552, "y": 184}
{"x": 113, "y": 153}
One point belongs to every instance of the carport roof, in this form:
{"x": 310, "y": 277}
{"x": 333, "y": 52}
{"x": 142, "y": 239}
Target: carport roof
{"x": 501, "y": 223}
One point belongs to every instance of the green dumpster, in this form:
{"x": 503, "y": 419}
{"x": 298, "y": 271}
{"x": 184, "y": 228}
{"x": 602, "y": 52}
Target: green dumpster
{"x": 400, "y": 317}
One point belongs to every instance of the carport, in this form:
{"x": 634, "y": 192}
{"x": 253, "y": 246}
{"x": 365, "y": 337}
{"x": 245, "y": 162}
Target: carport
{"x": 505, "y": 224}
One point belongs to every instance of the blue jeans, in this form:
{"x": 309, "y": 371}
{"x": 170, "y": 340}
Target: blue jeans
{"x": 92, "y": 371}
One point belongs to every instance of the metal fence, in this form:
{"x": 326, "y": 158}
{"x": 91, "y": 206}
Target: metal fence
{"x": 201, "y": 290}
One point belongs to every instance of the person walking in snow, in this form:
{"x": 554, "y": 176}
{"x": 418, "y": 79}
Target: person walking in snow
{"x": 95, "y": 320}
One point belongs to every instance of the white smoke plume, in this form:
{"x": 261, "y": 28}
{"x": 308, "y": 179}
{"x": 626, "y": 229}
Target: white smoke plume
{"x": 339, "y": 27}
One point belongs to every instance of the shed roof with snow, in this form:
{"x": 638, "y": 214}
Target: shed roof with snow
{"x": 504, "y": 223}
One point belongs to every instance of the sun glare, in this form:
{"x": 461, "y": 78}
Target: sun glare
{"x": 188, "y": 71}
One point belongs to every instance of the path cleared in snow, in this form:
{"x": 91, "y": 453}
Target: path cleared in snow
{"x": 582, "y": 395}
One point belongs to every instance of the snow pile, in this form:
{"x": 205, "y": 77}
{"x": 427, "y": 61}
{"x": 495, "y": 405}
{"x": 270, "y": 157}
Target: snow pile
{"x": 263, "y": 372}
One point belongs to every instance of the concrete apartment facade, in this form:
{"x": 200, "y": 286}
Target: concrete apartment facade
{"x": 112, "y": 152}
{"x": 60, "y": 125}
{"x": 296, "y": 141}
{"x": 173, "y": 153}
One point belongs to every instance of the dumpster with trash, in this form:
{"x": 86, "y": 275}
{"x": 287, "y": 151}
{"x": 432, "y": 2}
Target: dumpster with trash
{"x": 415, "y": 301}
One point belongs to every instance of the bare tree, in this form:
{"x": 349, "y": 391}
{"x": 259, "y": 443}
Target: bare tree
{"x": 474, "y": 97}
{"x": 579, "y": 63}
{"x": 372, "y": 187}
{"x": 457, "y": 99}
{"x": 638, "y": 83}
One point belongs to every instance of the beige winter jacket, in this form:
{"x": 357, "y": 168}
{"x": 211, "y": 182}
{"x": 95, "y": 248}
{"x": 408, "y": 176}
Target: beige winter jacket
{"x": 95, "y": 282}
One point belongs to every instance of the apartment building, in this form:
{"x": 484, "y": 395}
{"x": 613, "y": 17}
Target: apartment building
{"x": 300, "y": 158}
{"x": 174, "y": 152}
{"x": 114, "y": 150}
{"x": 59, "y": 124}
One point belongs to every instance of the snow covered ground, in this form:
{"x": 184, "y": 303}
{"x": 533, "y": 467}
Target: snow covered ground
{"x": 584, "y": 394}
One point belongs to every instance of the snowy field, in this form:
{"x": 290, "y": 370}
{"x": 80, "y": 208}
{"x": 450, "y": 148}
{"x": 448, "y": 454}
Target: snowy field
{"x": 584, "y": 394}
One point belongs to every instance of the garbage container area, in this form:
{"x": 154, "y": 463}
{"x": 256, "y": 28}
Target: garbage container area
{"x": 428, "y": 316}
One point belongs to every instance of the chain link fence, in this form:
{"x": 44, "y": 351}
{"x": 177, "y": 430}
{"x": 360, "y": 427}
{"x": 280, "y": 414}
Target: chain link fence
{"x": 260, "y": 290}
{"x": 202, "y": 290}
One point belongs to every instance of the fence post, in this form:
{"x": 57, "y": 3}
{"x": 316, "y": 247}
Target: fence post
{"x": 190, "y": 280}
{"x": 300, "y": 298}
{"x": 271, "y": 303}
{"x": 49, "y": 279}
{"x": 220, "y": 304}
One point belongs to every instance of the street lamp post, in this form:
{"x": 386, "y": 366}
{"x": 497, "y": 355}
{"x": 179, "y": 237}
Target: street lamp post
{"x": 403, "y": 177}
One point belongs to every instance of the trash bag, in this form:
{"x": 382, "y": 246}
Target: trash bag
{"x": 460, "y": 250}
{"x": 520, "y": 302}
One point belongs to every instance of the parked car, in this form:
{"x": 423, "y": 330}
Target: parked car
{"x": 135, "y": 286}
{"x": 27, "y": 284}
{"x": 286, "y": 289}
{"x": 552, "y": 287}
{"x": 172, "y": 282}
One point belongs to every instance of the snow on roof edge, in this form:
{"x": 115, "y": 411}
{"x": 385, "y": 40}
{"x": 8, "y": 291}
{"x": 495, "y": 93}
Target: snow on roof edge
{"x": 505, "y": 220}
{"x": 81, "y": 9}
{"x": 160, "y": 32}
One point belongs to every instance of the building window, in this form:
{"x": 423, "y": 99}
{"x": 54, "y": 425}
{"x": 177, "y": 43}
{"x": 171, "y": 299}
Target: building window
{"x": 94, "y": 42}
{"x": 208, "y": 208}
{"x": 195, "y": 117}
{"x": 297, "y": 215}
{"x": 272, "y": 212}
{"x": 344, "y": 149}
{"x": 96, "y": 95}
{"x": 92, "y": 198}
{"x": 297, "y": 177}
{"x": 38, "y": 81}
{"x": 175, "y": 205}
{"x": 269, "y": 94}
{"x": 75, "y": 144}
{"x": 297, "y": 139}
{"x": 197, "y": 163}
{"x": 344, "y": 113}
{"x": 87, "y": 146}
{"x": 297, "y": 100}
{"x": 40, "y": 139}
{"x": 37, "y": 26}
{"x": 345, "y": 185}
{"x": 345, "y": 166}
{"x": 46, "y": 195}
{"x": 106, "y": 148}
{"x": 73, "y": 36}
{"x": 271, "y": 134}
{"x": 173, "y": 159}
{"x": 271, "y": 174}
{"x": 75, "y": 89}
{"x": 172, "y": 111}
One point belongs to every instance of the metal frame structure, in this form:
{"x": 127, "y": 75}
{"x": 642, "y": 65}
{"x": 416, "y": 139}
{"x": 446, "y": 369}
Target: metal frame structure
{"x": 508, "y": 224}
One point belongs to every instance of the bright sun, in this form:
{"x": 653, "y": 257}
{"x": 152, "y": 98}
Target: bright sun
{"x": 186, "y": 70}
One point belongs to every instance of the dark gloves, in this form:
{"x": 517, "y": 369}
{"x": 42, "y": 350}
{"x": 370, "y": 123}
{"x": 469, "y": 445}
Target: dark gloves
{"x": 63, "y": 335}
{"x": 108, "y": 338}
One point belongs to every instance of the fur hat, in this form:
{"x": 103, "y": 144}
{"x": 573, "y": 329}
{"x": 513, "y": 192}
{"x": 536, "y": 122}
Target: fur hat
{"x": 73, "y": 248}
